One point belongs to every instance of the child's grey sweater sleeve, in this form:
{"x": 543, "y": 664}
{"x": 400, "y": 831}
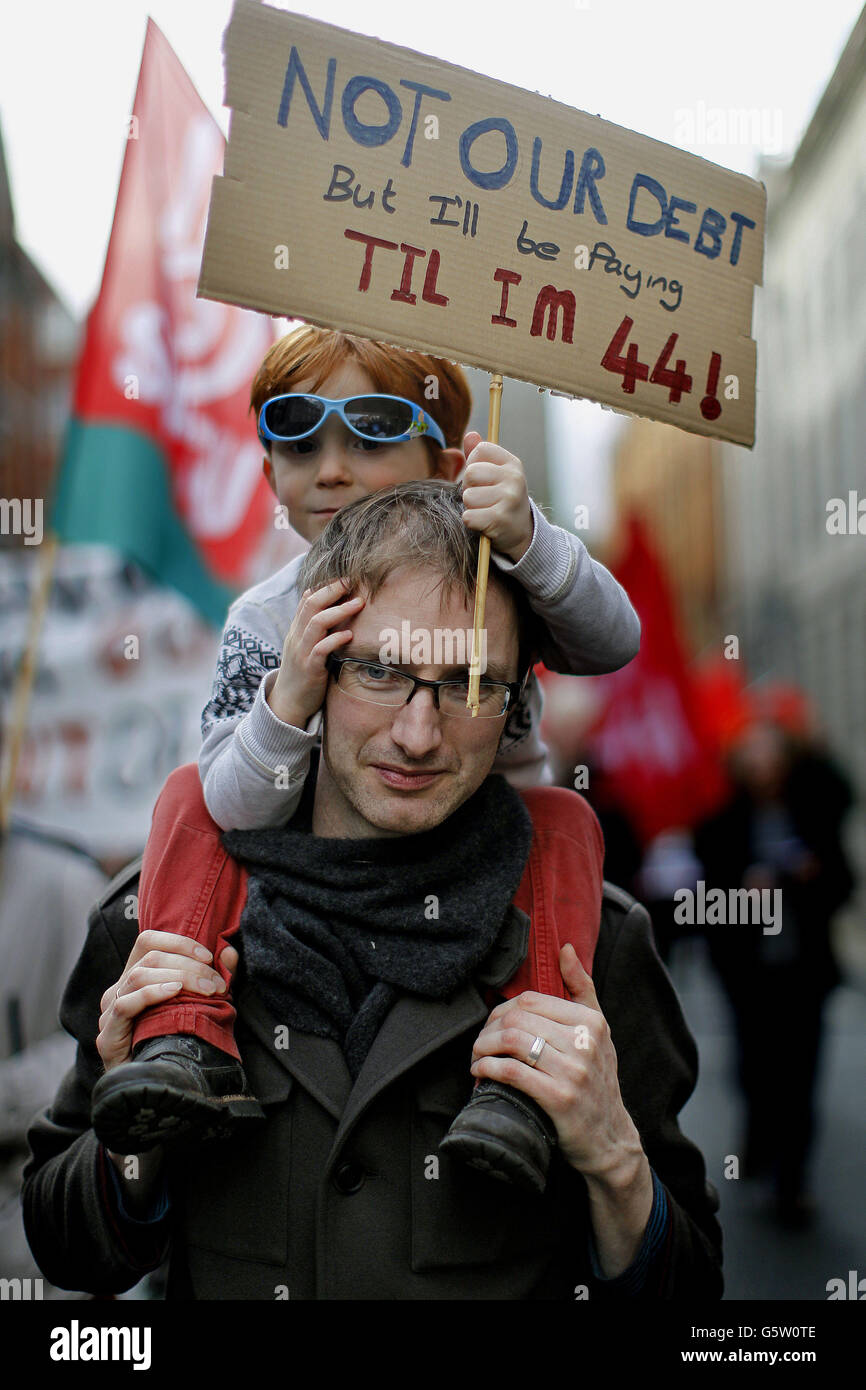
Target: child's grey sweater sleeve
{"x": 251, "y": 764}
{"x": 588, "y": 627}
{"x": 591, "y": 627}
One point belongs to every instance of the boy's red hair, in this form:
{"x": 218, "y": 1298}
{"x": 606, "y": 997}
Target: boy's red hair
{"x": 314, "y": 353}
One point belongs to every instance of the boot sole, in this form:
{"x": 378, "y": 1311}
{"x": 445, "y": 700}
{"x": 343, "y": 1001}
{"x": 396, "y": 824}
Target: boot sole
{"x": 494, "y": 1155}
{"x": 134, "y": 1118}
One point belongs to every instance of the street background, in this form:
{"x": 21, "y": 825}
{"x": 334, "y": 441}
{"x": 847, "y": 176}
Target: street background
{"x": 748, "y": 568}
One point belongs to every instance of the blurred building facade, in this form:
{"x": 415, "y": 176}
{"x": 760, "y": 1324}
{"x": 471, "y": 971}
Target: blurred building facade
{"x": 752, "y": 540}
{"x": 38, "y": 348}
{"x": 670, "y": 478}
{"x": 794, "y": 591}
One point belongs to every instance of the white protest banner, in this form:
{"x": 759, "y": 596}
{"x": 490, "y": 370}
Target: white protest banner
{"x": 124, "y": 671}
{"x": 369, "y": 188}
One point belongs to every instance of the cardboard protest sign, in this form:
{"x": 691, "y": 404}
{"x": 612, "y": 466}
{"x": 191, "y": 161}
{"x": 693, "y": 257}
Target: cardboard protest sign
{"x": 369, "y": 188}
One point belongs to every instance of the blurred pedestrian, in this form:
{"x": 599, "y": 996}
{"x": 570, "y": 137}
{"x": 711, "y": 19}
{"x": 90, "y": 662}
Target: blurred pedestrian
{"x": 47, "y": 888}
{"x": 669, "y": 864}
{"x": 781, "y": 829}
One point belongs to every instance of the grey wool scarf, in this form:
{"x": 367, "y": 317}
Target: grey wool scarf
{"x": 333, "y": 930}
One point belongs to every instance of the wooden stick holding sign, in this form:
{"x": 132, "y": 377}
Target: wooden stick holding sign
{"x": 473, "y": 698}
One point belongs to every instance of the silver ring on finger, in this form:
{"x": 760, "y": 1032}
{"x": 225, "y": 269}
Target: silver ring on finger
{"x": 535, "y": 1052}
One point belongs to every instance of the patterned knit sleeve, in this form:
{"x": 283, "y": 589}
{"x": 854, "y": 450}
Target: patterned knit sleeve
{"x": 252, "y": 765}
{"x": 245, "y": 658}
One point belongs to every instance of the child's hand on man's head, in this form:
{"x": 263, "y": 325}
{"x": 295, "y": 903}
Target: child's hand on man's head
{"x": 495, "y": 496}
{"x": 316, "y": 631}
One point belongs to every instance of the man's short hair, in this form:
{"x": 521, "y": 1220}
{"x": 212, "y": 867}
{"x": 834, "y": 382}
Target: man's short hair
{"x": 314, "y": 353}
{"x": 413, "y": 524}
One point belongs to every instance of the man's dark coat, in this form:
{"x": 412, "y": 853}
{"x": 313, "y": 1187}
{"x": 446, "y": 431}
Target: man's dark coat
{"x": 340, "y": 1193}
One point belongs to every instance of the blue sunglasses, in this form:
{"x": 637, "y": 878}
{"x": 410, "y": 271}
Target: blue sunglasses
{"x": 383, "y": 419}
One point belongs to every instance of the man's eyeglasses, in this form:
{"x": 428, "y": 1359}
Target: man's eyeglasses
{"x": 382, "y": 685}
{"x": 382, "y": 419}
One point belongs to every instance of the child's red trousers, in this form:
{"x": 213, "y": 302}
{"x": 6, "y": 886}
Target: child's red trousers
{"x": 192, "y": 886}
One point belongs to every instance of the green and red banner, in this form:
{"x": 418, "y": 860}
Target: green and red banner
{"x": 162, "y": 460}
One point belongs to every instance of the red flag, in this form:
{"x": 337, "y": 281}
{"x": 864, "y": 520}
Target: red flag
{"x": 651, "y": 743}
{"x": 162, "y": 459}
{"x": 727, "y": 707}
